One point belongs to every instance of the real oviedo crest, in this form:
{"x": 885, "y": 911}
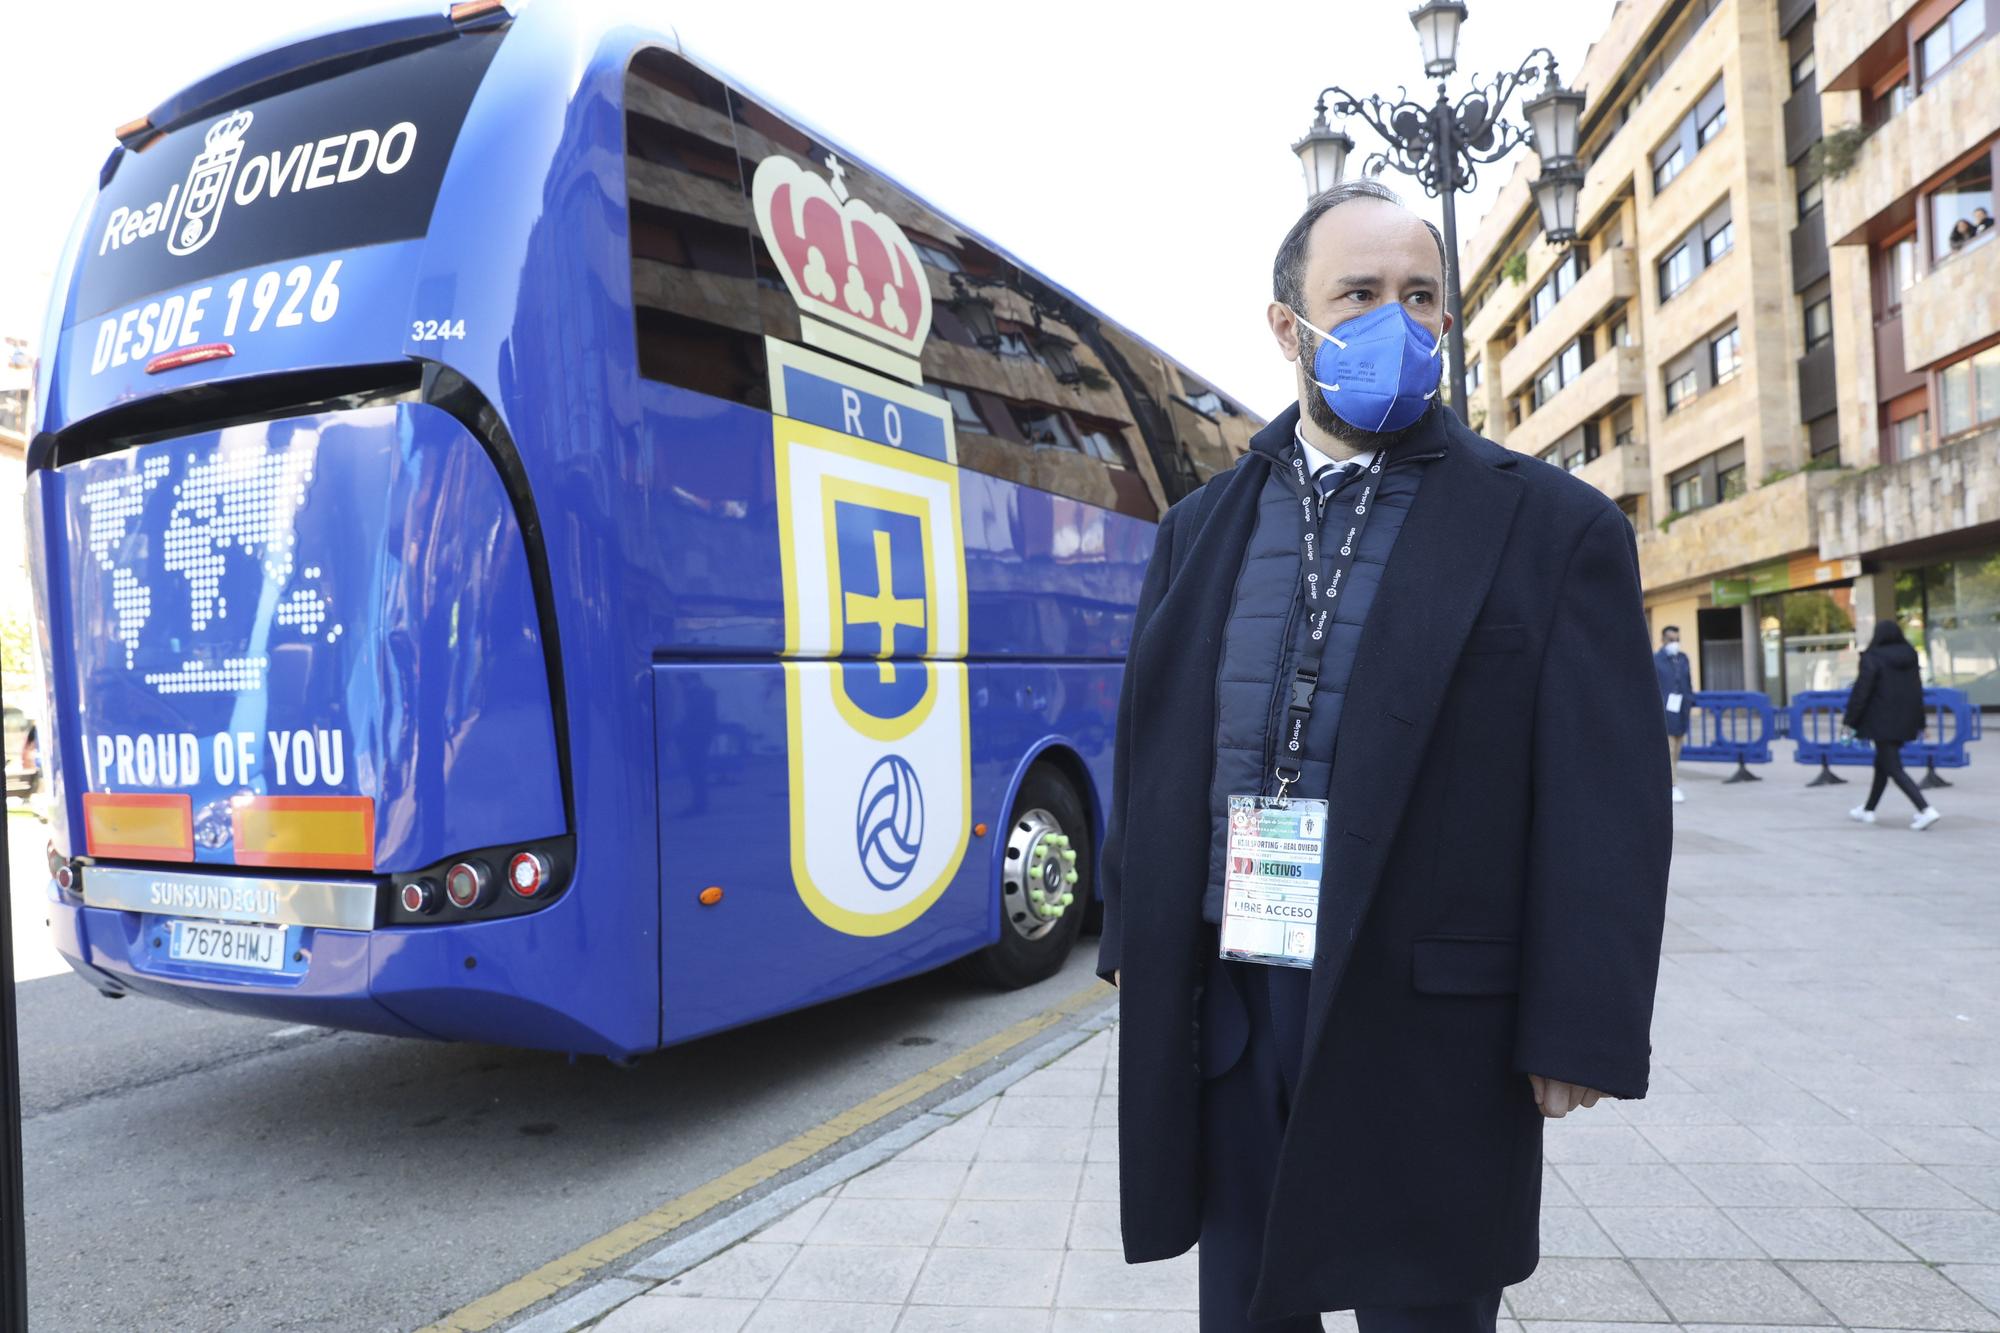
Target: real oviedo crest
{"x": 877, "y": 716}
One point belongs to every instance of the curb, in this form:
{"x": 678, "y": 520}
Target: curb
{"x": 676, "y": 1257}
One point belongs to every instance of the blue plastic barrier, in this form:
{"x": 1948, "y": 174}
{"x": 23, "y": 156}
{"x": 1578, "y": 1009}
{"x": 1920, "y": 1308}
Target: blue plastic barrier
{"x": 1814, "y": 723}
{"x": 1817, "y": 734}
{"x": 1726, "y": 726}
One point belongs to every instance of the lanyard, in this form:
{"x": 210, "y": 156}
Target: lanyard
{"x": 1325, "y": 575}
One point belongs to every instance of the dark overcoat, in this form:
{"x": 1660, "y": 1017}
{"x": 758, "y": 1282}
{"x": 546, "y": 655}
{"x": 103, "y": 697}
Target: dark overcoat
{"x": 1494, "y": 890}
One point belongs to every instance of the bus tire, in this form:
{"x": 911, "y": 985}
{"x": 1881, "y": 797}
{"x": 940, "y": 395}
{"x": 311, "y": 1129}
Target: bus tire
{"x": 1041, "y": 908}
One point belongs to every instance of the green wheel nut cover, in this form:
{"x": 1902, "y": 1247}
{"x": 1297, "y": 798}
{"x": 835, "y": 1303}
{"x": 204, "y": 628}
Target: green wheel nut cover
{"x": 1069, "y": 877}
{"x": 1068, "y": 898}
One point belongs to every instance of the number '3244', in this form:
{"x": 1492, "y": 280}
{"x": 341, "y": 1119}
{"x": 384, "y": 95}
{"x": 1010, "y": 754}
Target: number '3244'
{"x": 436, "y": 330}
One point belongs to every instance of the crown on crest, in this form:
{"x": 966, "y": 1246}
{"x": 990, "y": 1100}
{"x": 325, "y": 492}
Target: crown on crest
{"x": 844, "y": 262}
{"x": 225, "y": 132}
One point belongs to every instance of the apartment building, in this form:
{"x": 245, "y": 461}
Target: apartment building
{"x": 1707, "y": 351}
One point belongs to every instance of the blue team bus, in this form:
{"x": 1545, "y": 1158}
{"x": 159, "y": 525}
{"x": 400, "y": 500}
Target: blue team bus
{"x": 535, "y": 545}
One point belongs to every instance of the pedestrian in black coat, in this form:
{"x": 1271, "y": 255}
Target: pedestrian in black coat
{"x": 1492, "y": 901}
{"x": 1886, "y": 706}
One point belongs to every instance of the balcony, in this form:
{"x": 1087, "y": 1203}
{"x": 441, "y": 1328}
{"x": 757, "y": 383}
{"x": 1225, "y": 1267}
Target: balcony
{"x": 1616, "y": 375}
{"x": 1843, "y": 30}
{"x": 1801, "y": 122}
{"x": 1766, "y": 523}
{"x": 1958, "y": 110}
{"x": 1614, "y": 277}
{"x": 1809, "y": 257}
{"x": 1620, "y": 473}
{"x": 1819, "y": 385}
{"x": 1947, "y": 489}
{"x": 1955, "y": 306}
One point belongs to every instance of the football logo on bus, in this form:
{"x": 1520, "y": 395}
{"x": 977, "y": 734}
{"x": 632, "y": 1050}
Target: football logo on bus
{"x": 843, "y": 261}
{"x": 889, "y": 826}
{"x": 207, "y": 187}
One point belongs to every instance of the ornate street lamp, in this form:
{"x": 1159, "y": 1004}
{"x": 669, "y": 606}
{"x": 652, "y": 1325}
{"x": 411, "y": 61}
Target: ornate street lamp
{"x": 1437, "y": 32}
{"x": 1323, "y": 153}
{"x": 1444, "y": 144}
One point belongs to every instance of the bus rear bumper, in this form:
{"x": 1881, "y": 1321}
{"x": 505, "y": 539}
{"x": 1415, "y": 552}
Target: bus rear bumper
{"x": 475, "y": 982}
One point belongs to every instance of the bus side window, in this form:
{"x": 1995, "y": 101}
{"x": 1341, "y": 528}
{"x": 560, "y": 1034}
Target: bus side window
{"x": 1042, "y": 391}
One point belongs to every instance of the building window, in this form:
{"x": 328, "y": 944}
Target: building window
{"x": 1472, "y": 374}
{"x": 1954, "y": 35}
{"x": 1208, "y": 402}
{"x": 1888, "y": 104}
{"x": 1969, "y": 393}
{"x": 1618, "y": 327}
{"x": 1716, "y": 123}
{"x": 1802, "y": 70}
{"x": 1731, "y": 480}
{"x": 1685, "y": 493}
{"x": 1719, "y": 242}
{"x": 1725, "y": 356}
{"x": 1676, "y": 271}
{"x": 1680, "y": 388}
{"x": 1810, "y": 197}
{"x": 1818, "y": 315}
{"x": 1962, "y": 210}
{"x": 1568, "y": 364}
{"x": 963, "y": 410}
{"x": 1554, "y": 287}
{"x": 1666, "y": 166}
{"x": 1621, "y": 428}
{"x": 1712, "y": 480}
{"x": 1909, "y": 436}
{"x": 1013, "y": 344}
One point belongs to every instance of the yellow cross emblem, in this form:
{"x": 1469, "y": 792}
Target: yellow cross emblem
{"x": 883, "y": 609}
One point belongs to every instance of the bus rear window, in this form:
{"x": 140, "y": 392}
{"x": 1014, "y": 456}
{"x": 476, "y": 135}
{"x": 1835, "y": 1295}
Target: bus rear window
{"x": 342, "y": 162}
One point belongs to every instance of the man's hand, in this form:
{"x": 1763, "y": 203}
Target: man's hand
{"x": 1557, "y": 1098}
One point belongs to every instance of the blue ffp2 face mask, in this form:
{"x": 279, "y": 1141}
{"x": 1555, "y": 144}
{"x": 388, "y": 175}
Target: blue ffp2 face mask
{"x": 1378, "y": 371}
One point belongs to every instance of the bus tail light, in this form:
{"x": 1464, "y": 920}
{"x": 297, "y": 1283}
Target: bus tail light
{"x": 467, "y": 884}
{"x": 56, "y": 859}
{"x": 65, "y": 877}
{"x": 527, "y": 872}
{"x": 420, "y": 897}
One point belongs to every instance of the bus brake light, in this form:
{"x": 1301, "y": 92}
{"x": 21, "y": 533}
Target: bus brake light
{"x": 188, "y": 356}
{"x": 467, "y": 884}
{"x": 419, "y": 897}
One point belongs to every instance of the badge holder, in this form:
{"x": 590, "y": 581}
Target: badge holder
{"x": 1270, "y": 906}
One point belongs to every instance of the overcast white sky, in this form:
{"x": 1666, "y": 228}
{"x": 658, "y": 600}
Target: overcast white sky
{"x": 1138, "y": 154}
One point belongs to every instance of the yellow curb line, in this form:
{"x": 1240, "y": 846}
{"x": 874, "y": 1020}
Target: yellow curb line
{"x": 615, "y": 1244}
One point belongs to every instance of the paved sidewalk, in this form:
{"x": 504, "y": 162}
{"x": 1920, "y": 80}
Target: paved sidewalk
{"x": 1821, "y": 1146}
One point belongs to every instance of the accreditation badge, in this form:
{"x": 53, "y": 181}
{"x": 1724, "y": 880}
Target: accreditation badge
{"x": 1270, "y": 902}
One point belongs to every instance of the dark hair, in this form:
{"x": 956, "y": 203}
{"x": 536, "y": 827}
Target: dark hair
{"x": 1669, "y": 629}
{"x": 1288, "y": 270}
{"x": 1886, "y": 633}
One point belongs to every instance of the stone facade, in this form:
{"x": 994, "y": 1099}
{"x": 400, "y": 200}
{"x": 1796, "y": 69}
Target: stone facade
{"x": 1936, "y": 494}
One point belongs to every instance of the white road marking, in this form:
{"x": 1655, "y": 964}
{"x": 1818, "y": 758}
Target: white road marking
{"x": 295, "y": 1030}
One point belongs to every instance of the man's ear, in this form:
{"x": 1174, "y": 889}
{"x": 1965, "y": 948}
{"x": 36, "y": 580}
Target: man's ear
{"x": 1284, "y": 327}
{"x": 1447, "y": 325}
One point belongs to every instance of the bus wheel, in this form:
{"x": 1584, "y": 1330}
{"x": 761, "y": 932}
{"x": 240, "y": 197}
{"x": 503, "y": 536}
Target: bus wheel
{"x": 1045, "y": 883}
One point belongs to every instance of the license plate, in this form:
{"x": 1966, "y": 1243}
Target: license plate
{"x": 227, "y": 945}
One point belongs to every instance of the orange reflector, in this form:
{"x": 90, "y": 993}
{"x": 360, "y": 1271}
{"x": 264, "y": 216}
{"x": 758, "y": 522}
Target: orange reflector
{"x": 979, "y": 829}
{"x": 331, "y": 832}
{"x": 134, "y": 129}
{"x": 147, "y": 826}
{"x": 710, "y": 896}
{"x": 472, "y": 9}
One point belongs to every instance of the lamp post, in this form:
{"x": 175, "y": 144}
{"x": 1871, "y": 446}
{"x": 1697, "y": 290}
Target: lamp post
{"x": 1444, "y": 144}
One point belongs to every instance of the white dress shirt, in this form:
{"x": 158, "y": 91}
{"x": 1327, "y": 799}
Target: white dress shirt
{"x": 1316, "y": 459}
